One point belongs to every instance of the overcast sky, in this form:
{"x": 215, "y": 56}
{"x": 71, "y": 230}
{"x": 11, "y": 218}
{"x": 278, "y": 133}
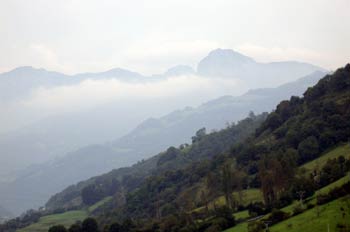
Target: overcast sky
{"x": 149, "y": 36}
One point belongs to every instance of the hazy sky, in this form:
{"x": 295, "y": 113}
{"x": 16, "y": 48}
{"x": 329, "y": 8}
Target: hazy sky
{"x": 149, "y": 36}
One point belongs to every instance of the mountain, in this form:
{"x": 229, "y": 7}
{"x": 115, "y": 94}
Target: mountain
{"x": 116, "y": 73}
{"x": 226, "y": 63}
{"x": 300, "y": 147}
{"x": 179, "y": 70}
{"x": 148, "y": 138}
{"x": 55, "y": 136}
{"x": 19, "y": 82}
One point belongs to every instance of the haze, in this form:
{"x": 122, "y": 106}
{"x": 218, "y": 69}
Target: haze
{"x": 88, "y": 86}
{"x": 150, "y": 36}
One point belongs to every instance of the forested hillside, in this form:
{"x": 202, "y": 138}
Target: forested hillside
{"x": 204, "y": 146}
{"x": 210, "y": 184}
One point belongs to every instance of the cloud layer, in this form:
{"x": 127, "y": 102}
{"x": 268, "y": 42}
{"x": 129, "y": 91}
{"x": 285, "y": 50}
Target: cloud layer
{"x": 170, "y": 93}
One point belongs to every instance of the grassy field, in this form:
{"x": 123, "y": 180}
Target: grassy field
{"x": 249, "y": 196}
{"x": 99, "y": 204}
{"x": 66, "y": 219}
{"x": 241, "y": 215}
{"x": 330, "y": 214}
{"x": 241, "y": 227}
{"x": 343, "y": 150}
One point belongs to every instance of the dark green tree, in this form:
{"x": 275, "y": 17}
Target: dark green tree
{"x": 89, "y": 225}
{"x": 115, "y": 227}
{"x": 75, "y": 228}
{"x": 308, "y": 149}
{"x": 91, "y": 194}
{"x": 58, "y": 228}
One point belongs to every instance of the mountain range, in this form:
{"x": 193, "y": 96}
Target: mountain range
{"x": 45, "y": 137}
{"x": 147, "y": 139}
{"x": 46, "y": 152}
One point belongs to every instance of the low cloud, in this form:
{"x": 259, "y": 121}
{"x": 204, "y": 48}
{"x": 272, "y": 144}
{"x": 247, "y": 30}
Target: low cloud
{"x": 91, "y": 93}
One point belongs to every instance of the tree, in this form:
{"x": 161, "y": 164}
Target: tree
{"x": 205, "y": 200}
{"x": 228, "y": 185}
{"x": 238, "y": 180}
{"x": 75, "y": 228}
{"x": 58, "y": 228}
{"x": 225, "y": 213}
{"x": 288, "y": 160}
{"x": 273, "y": 121}
{"x": 170, "y": 154}
{"x": 89, "y": 225}
{"x": 199, "y": 135}
{"x": 274, "y": 179}
{"x": 115, "y": 227}
{"x": 308, "y": 149}
{"x": 91, "y": 194}
{"x": 127, "y": 225}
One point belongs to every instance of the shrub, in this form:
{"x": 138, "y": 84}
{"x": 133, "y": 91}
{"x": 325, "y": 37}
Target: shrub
{"x": 297, "y": 210}
{"x": 277, "y": 216}
{"x": 310, "y": 206}
{"x": 213, "y": 228}
{"x": 256, "y": 226}
{"x": 256, "y": 209}
{"x": 225, "y": 213}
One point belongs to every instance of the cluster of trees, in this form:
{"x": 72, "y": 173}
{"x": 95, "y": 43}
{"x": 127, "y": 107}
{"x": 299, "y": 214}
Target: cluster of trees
{"x": 88, "y": 225}
{"x": 333, "y": 170}
{"x": 98, "y": 190}
{"x": 334, "y": 194}
{"x": 91, "y": 225}
{"x": 221, "y": 218}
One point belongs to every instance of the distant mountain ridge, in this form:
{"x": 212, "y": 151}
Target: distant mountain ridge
{"x": 218, "y": 63}
{"x": 230, "y": 64}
